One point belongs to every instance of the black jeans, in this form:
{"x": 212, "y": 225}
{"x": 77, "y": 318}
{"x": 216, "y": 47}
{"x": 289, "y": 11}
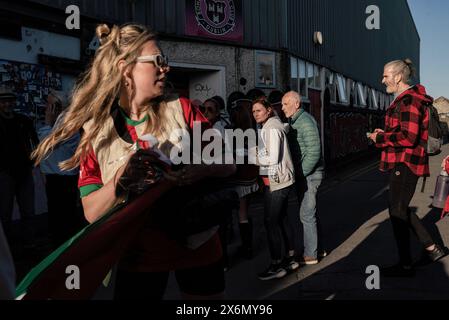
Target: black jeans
{"x": 65, "y": 214}
{"x": 22, "y": 189}
{"x": 402, "y": 188}
{"x": 276, "y": 204}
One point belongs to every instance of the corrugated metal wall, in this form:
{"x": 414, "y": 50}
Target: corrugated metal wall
{"x": 114, "y": 11}
{"x": 165, "y": 16}
{"x": 263, "y": 23}
{"x": 349, "y": 48}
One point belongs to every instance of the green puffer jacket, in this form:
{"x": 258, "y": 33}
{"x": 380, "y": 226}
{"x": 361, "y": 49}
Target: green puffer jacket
{"x": 305, "y": 144}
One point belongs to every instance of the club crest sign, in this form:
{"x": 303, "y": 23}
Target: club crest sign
{"x": 219, "y": 19}
{"x": 215, "y": 16}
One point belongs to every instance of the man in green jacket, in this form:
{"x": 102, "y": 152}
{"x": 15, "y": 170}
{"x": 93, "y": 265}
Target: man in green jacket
{"x": 305, "y": 148}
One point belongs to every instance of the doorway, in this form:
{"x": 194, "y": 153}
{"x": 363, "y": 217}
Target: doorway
{"x": 197, "y": 82}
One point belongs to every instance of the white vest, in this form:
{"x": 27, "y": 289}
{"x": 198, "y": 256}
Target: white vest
{"x": 112, "y": 151}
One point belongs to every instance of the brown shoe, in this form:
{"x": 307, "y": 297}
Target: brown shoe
{"x": 308, "y": 261}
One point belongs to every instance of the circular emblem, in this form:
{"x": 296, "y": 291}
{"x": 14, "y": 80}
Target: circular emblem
{"x": 216, "y": 17}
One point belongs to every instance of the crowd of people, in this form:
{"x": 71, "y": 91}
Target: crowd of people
{"x": 93, "y": 148}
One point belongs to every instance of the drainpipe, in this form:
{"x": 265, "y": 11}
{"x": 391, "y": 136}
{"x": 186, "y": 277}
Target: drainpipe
{"x": 323, "y": 91}
{"x": 238, "y": 73}
{"x": 323, "y": 140}
{"x": 132, "y": 9}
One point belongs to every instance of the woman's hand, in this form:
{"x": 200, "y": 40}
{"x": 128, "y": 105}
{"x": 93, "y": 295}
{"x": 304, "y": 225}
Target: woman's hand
{"x": 138, "y": 173}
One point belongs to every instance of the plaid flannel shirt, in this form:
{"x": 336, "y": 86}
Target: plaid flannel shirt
{"x": 406, "y": 132}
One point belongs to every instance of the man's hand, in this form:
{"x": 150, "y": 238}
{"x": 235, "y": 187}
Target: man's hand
{"x": 373, "y": 136}
{"x": 443, "y": 163}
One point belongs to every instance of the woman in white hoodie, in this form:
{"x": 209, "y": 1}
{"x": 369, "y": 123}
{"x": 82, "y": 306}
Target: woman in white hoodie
{"x": 276, "y": 170}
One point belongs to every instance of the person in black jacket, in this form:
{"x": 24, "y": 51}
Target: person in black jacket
{"x": 17, "y": 138}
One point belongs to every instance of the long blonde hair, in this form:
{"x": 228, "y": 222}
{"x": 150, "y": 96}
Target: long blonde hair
{"x": 97, "y": 90}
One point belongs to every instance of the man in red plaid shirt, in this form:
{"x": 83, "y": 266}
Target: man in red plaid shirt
{"x": 403, "y": 144}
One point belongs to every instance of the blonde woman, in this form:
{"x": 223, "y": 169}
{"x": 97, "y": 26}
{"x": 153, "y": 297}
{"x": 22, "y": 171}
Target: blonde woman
{"x": 120, "y": 99}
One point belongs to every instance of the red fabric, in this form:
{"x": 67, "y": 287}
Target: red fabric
{"x": 133, "y": 133}
{"x": 96, "y": 252}
{"x": 406, "y": 132}
{"x": 156, "y": 252}
{"x": 266, "y": 181}
{"x": 192, "y": 114}
{"x": 90, "y": 172}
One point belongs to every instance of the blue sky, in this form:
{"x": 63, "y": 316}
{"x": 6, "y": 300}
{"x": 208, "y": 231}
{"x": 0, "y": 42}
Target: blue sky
{"x": 432, "y": 20}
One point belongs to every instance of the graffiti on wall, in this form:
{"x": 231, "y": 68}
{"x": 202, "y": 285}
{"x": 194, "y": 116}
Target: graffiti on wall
{"x": 347, "y": 134}
{"x": 31, "y": 83}
{"x": 203, "y": 91}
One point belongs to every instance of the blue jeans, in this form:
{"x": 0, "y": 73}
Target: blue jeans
{"x": 307, "y": 189}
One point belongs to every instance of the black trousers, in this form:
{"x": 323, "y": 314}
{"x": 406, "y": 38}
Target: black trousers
{"x": 22, "y": 189}
{"x": 275, "y": 219}
{"x": 65, "y": 214}
{"x": 402, "y": 188}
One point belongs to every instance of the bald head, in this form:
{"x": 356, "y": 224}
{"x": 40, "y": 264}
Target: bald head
{"x": 293, "y": 95}
{"x": 291, "y": 103}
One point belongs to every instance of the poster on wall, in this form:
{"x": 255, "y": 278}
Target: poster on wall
{"x": 216, "y": 19}
{"x": 265, "y": 69}
{"x": 31, "y": 83}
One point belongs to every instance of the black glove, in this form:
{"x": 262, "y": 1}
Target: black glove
{"x": 143, "y": 169}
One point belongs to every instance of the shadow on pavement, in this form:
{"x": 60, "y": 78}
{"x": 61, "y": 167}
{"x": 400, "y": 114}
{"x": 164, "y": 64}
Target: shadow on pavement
{"x": 346, "y": 278}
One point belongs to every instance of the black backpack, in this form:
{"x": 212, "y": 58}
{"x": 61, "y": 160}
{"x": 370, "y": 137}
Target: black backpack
{"x": 435, "y": 140}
